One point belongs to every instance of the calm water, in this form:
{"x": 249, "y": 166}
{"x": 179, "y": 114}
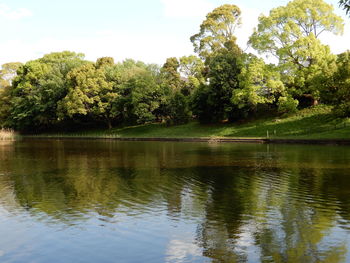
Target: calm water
{"x": 106, "y": 201}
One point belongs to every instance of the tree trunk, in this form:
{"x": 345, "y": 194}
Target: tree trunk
{"x": 109, "y": 123}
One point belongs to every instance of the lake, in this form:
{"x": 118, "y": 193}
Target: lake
{"x": 111, "y": 201}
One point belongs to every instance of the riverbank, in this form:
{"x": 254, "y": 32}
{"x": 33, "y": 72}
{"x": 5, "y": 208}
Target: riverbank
{"x": 314, "y": 125}
{"x": 209, "y": 140}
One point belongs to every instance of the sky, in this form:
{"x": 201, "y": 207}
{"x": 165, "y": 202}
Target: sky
{"x": 146, "y": 30}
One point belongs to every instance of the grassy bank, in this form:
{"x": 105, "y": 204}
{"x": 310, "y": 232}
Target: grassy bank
{"x": 312, "y": 123}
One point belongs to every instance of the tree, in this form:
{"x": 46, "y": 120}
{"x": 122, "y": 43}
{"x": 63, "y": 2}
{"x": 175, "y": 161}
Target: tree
{"x": 192, "y": 70}
{"x": 216, "y": 44}
{"x": 258, "y": 84}
{"x": 104, "y": 62}
{"x": 217, "y": 30}
{"x": 142, "y": 97}
{"x": 179, "y": 111}
{"x": 339, "y": 85}
{"x": 5, "y": 106}
{"x": 8, "y": 72}
{"x": 191, "y": 66}
{"x": 346, "y": 5}
{"x": 212, "y": 102}
{"x": 126, "y": 78}
{"x": 89, "y": 94}
{"x": 38, "y": 87}
{"x": 171, "y": 85}
{"x": 171, "y": 75}
{"x": 290, "y": 33}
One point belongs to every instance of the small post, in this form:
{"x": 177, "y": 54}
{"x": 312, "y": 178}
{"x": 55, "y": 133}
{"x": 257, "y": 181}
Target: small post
{"x": 267, "y": 134}
{"x": 274, "y": 132}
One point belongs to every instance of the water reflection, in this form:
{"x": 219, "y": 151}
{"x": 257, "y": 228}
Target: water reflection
{"x": 174, "y": 202}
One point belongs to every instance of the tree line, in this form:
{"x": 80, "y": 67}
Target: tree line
{"x": 63, "y": 90}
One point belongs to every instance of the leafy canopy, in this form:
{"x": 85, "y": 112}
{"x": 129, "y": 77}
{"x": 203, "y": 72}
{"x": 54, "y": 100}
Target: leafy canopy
{"x": 346, "y": 5}
{"x": 258, "y": 84}
{"x": 8, "y": 72}
{"x": 285, "y": 25}
{"x": 90, "y": 93}
{"x": 38, "y": 87}
{"x": 217, "y": 30}
{"x": 290, "y": 33}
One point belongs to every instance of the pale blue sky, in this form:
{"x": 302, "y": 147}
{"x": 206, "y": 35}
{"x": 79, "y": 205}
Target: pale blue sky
{"x": 148, "y": 30}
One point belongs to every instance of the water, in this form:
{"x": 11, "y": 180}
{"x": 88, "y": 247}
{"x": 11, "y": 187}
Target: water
{"x": 108, "y": 201}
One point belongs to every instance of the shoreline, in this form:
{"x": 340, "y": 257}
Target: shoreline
{"x": 201, "y": 139}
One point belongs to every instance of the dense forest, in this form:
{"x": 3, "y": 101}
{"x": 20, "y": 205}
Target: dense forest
{"x": 223, "y": 83}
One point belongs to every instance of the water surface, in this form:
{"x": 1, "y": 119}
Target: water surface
{"x": 109, "y": 201}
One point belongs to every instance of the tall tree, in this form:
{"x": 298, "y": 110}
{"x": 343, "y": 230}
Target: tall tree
{"x": 216, "y": 44}
{"x": 192, "y": 70}
{"x": 142, "y": 97}
{"x": 337, "y": 86}
{"x": 89, "y": 94}
{"x": 104, "y": 62}
{"x": 212, "y": 102}
{"x": 217, "y": 30}
{"x": 291, "y": 32}
{"x": 8, "y": 72}
{"x": 5, "y": 106}
{"x": 191, "y": 66}
{"x": 171, "y": 75}
{"x": 258, "y": 84}
{"x": 126, "y": 78}
{"x": 40, "y": 84}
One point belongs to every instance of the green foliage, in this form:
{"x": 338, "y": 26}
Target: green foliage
{"x": 287, "y": 104}
{"x": 39, "y": 86}
{"x": 217, "y": 30}
{"x": 171, "y": 75}
{"x": 191, "y": 66}
{"x": 5, "y": 107}
{"x": 334, "y": 85}
{"x": 179, "y": 112}
{"x": 192, "y": 69}
{"x": 340, "y": 85}
{"x": 318, "y": 61}
{"x": 290, "y": 33}
{"x": 222, "y": 84}
{"x": 104, "y": 62}
{"x": 199, "y": 101}
{"x": 174, "y": 106}
{"x": 258, "y": 84}
{"x": 28, "y": 95}
{"x": 285, "y": 25}
{"x": 89, "y": 93}
{"x": 224, "y": 69}
{"x": 142, "y": 98}
{"x": 7, "y": 73}
{"x": 346, "y": 5}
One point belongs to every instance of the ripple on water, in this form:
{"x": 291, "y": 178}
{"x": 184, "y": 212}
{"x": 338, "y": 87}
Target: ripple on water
{"x": 153, "y": 202}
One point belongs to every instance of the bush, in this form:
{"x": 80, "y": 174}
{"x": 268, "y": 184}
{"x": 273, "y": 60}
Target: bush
{"x": 179, "y": 112}
{"x": 287, "y": 104}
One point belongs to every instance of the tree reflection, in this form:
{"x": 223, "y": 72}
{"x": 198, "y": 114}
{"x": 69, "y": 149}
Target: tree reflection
{"x": 250, "y": 203}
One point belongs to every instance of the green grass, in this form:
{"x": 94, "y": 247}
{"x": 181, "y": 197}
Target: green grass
{"x": 313, "y": 123}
